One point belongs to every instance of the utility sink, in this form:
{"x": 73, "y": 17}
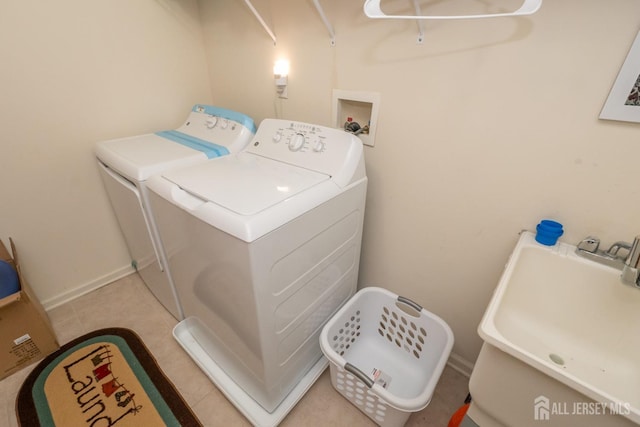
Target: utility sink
{"x": 571, "y": 319}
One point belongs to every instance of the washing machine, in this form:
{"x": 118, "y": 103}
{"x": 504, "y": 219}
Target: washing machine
{"x": 264, "y": 247}
{"x": 126, "y": 164}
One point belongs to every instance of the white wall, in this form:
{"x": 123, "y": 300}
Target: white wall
{"x": 75, "y": 72}
{"x": 486, "y": 128}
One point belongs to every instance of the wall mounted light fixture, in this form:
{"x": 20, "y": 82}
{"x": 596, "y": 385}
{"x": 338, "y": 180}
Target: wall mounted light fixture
{"x": 281, "y": 76}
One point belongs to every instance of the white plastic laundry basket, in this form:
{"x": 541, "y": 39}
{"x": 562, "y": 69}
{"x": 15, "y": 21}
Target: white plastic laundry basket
{"x": 386, "y": 354}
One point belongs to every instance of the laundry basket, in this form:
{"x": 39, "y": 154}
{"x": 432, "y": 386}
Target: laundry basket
{"x": 386, "y": 354}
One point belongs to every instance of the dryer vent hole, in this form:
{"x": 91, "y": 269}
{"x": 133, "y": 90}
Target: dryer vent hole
{"x": 558, "y": 360}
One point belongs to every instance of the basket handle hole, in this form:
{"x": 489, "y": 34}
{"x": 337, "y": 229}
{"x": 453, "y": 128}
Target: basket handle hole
{"x": 408, "y": 309}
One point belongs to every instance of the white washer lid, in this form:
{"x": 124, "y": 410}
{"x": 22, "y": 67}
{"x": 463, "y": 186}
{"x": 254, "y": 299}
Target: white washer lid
{"x": 244, "y": 183}
{"x": 139, "y": 157}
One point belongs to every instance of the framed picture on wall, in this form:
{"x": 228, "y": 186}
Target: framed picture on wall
{"x": 623, "y": 102}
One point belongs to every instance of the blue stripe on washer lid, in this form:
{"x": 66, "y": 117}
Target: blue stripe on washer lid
{"x": 209, "y": 148}
{"x": 243, "y": 119}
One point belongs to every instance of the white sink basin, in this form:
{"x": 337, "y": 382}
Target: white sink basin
{"x": 570, "y": 318}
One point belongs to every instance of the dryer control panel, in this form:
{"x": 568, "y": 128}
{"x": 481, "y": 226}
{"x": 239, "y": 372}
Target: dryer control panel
{"x": 318, "y": 148}
{"x": 219, "y": 125}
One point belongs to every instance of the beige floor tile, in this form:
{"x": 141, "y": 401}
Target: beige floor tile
{"x": 192, "y": 383}
{"x": 62, "y": 313}
{"x": 323, "y": 405}
{"x": 68, "y": 329}
{"x": 128, "y": 303}
{"x": 215, "y": 410}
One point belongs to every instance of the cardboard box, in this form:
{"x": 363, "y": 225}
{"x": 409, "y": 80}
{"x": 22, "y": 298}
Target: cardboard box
{"x": 26, "y": 335}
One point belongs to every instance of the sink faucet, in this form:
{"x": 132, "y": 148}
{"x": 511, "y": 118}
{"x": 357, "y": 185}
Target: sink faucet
{"x": 630, "y": 273}
{"x": 629, "y": 264}
{"x": 588, "y": 248}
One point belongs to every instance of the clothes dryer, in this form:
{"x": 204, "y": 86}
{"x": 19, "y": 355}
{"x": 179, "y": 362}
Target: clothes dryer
{"x": 264, "y": 246}
{"x": 126, "y": 164}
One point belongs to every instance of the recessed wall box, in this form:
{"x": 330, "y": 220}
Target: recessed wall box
{"x": 361, "y": 107}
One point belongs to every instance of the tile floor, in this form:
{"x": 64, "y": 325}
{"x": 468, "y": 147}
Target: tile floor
{"x": 128, "y": 303}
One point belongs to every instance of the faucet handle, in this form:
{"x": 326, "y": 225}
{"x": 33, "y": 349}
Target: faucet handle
{"x": 615, "y": 248}
{"x": 589, "y": 244}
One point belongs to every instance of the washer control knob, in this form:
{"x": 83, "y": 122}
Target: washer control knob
{"x": 277, "y": 136}
{"x": 225, "y": 123}
{"x": 318, "y": 146}
{"x": 211, "y": 122}
{"x": 296, "y": 142}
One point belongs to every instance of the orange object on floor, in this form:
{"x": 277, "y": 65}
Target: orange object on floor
{"x": 457, "y": 417}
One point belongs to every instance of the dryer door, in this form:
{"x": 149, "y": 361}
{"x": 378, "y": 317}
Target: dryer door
{"x": 127, "y": 204}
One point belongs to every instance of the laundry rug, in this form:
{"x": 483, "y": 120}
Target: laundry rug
{"x": 104, "y": 378}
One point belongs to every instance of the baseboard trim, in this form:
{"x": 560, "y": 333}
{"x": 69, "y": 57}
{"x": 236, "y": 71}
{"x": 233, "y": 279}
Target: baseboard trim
{"x": 460, "y": 364}
{"x": 87, "y": 287}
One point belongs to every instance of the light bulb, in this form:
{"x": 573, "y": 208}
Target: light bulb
{"x": 280, "y": 74}
{"x": 281, "y": 68}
